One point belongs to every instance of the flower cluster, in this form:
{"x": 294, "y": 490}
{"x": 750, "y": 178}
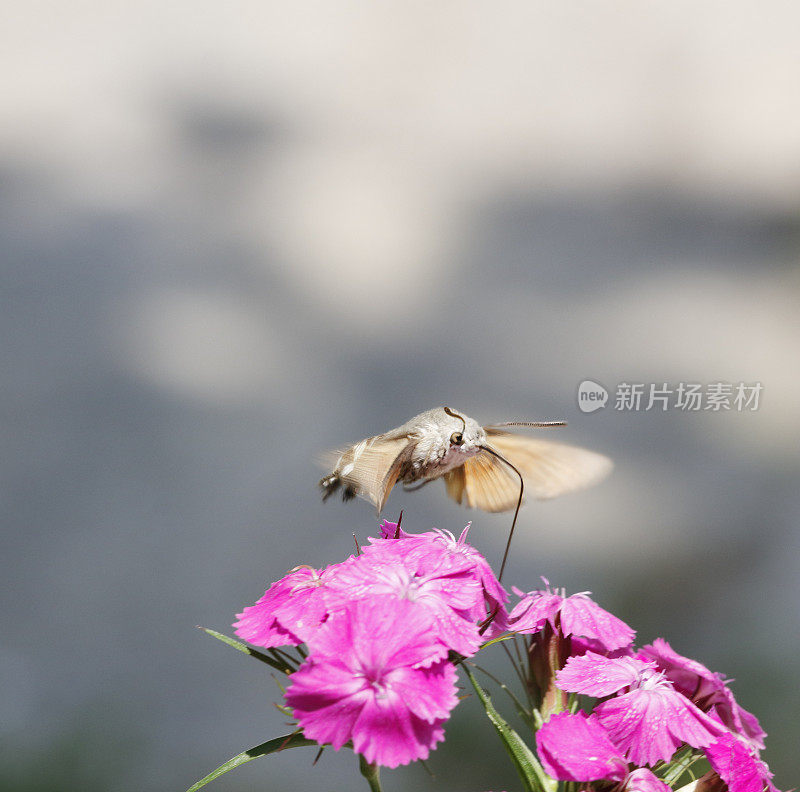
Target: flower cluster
{"x": 649, "y": 703}
{"x": 386, "y": 628}
{"x": 379, "y": 629}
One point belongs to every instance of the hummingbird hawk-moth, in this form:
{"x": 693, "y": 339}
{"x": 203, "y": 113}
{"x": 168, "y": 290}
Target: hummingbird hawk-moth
{"x": 486, "y": 467}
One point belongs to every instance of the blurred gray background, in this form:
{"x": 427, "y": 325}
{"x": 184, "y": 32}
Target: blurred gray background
{"x": 233, "y": 236}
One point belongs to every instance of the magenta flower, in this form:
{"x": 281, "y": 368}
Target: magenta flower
{"x": 376, "y": 678}
{"x": 577, "y": 748}
{"x": 575, "y": 615}
{"x": 448, "y": 594}
{"x": 289, "y": 608}
{"x": 651, "y": 719}
{"x": 643, "y": 780}
{"x": 736, "y": 764}
{"x": 437, "y": 551}
{"x": 534, "y": 610}
{"x": 443, "y": 574}
{"x": 705, "y": 688}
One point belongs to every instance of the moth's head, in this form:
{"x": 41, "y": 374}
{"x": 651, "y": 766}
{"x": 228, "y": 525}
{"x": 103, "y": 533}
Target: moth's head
{"x": 463, "y": 434}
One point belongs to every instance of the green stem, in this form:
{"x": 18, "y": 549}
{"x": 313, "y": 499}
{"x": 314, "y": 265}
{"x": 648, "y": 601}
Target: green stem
{"x": 516, "y": 668}
{"x": 372, "y": 773}
{"x": 531, "y": 773}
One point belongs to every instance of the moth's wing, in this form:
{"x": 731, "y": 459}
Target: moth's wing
{"x": 549, "y": 469}
{"x": 370, "y": 468}
{"x": 455, "y": 483}
{"x": 483, "y": 482}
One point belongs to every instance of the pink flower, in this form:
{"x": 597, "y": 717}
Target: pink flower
{"x": 705, "y": 688}
{"x": 643, "y": 780}
{"x": 575, "y": 615}
{"x": 577, "y": 748}
{"x": 442, "y": 574}
{"x": 648, "y": 722}
{"x": 437, "y": 551}
{"x": 447, "y": 594}
{"x": 534, "y": 610}
{"x": 375, "y": 677}
{"x": 288, "y": 611}
{"x": 735, "y": 763}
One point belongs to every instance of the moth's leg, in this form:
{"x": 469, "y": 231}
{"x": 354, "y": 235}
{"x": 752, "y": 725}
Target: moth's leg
{"x": 349, "y": 492}
{"x": 416, "y": 487}
{"x": 329, "y": 485}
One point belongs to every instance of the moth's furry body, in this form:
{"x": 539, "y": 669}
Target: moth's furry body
{"x": 442, "y": 443}
{"x": 432, "y": 453}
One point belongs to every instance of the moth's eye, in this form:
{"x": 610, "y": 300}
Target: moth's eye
{"x": 457, "y": 438}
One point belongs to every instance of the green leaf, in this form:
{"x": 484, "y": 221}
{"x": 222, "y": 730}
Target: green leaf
{"x": 530, "y": 771}
{"x": 503, "y": 637}
{"x": 680, "y": 764}
{"x": 294, "y": 740}
{"x": 279, "y": 666}
{"x": 526, "y": 716}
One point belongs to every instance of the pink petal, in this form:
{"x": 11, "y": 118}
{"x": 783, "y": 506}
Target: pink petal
{"x": 390, "y": 735}
{"x": 577, "y": 748}
{"x": 424, "y": 552}
{"x": 303, "y": 613}
{"x": 737, "y": 766}
{"x": 598, "y": 675}
{"x": 375, "y": 677}
{"x": 705, "y": 688}
{"x": 365, "y": 635}
{"x": 643, "y": 780}
{"x": 691, "y": 678}
{"x": 429, "y": 693}
{"x": 579, "y": 646}
{"x": 259, "y": 623}
{"x": 389, "y": 531}
{"x": 581, "y": 616}
{"x": 461, "y": 591}
{"x": 649, "y": 724}
{"x": 750, "y": 727}
{"x": 440, "y": 552}
{"x": 498, "y": 625}
{"x": 455, "y": 632}
{"x": 326, "y": 702}
{"x": 637, "y": 723}
{"x": 533, "y": 610}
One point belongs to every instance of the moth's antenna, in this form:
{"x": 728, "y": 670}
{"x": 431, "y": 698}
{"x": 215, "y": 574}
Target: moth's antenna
{"x": 516, "y": 511}
{"x": 456, "y": 415}
{"x": 534, "y": 424}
